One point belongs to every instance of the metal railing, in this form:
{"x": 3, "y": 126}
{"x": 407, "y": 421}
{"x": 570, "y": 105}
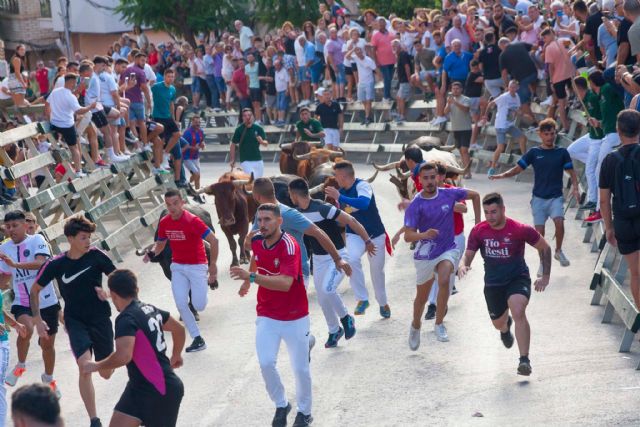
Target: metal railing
{"x": 10, "y": 6}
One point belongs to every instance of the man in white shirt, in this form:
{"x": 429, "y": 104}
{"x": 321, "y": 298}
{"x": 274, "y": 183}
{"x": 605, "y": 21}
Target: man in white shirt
{"x": 245, "y": 34}
{"x": 366, "y": 81}
{"x": 60, "y": 108}
{"x": 282, "y": 85}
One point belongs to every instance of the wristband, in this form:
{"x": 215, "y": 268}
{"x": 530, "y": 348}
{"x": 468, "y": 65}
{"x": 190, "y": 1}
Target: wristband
{"x": 252, "y": 277}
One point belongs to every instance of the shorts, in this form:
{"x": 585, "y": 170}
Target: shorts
{"x": 627, "y": 232}
{"x": 99, "y": 119}
{"x": 366, "y": 91}
{"x": 49, "y": 315}
{"x": 426, "y": 268}
{"x": 497, "y": 297}
{"x": 546, "y": 208}
{"x": 428, "y": 73}
{"x": 69, "y": 135}
{"x": 348, "y": 70}
{"x": 193, "y": 165}
{"x": 271, "y": 101}
{"x": 560, "y": 89}
{"x": 255, "y": 95}
{"x": 170, "y": 127}
{"x": 304, "y": 75}
{"x": 501, "y": 134}
{"x": 462, "y": 138}
{"x": 282, "y": 103}
{"x": 494, "y": 86}
{"x": 523, "y": 91}
{"x": 404, "y": 91}
{"x": 220, "y": 84}
{"x": 196, "y": 85}
{"x": 95, "y": 335}
{"x": 332, "y": 137}
{"x": 149, "y": 406}
{"x": 341, "y": 78}
{"x": 474, "y": 107}
{"x": 136, "y": 111}
{"x": 15, "y": 86}
{"x": 317, "y": 72}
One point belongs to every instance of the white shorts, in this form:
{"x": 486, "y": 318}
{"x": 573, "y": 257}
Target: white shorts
{"x": 425, "y": 268}
{"x": 253, "y": 166}
{"x": 332, "y": 137}
{"x": 193, "y": 165}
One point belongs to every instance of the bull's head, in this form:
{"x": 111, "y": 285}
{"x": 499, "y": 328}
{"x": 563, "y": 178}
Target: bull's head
{"x": 238, "y": 179}
{"x": 319, "y": 156}
{"x": 225, "y": 202}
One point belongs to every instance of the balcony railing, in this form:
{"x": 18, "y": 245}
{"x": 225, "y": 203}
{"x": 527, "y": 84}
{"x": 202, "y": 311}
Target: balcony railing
{"x": 9, "y": 6}
{"x": 45, "y": 8}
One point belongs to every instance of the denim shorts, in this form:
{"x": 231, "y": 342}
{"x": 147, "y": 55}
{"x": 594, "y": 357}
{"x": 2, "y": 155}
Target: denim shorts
{"x": 523, "y": 91}
{"x": 341, "y": 77}
{"x": 316, "y": 72}
{"x": 304, "y": 74}
{"x": 542, "y": 209}
{"x": 195, "y": 85}
{"x": 136, "y": 111}
{"x": 282, "y": 103}
{"x": 501, "y": 134}
{"x": 366, "y": 91}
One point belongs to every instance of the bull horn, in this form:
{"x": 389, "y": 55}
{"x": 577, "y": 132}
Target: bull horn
{"x": 401, "y": 174}
{"x": 247, "y": 192}
{"x": 386, "y": 167}
{"x": 302, "y": 156}
{"x": 459, "y": 171}
{"x": 251, "y": 178}
{"x": 335, "y": 154}
{"x": 241, "y": 182}
{"x": 403, "y": 147}
{"x": 373, "y": 177}
{"x": 317, "y": 189}
{"x": 315, "y": 143}
{"x": 286, "y": 146}
{"x": 447, "y": 148}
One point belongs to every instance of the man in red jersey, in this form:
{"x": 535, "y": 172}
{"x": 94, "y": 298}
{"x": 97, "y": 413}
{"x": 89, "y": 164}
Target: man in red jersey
{"x": 283, "y": 312}
{"x": 507, "y": 284}
{"x": 185, "y": 233}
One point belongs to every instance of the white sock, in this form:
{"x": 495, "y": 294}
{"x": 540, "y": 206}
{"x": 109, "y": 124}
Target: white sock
{"x": 47, "y": 378}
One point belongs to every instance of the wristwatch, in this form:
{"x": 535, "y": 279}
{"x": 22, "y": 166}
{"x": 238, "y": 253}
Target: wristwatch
{"x": 252, "y": 277}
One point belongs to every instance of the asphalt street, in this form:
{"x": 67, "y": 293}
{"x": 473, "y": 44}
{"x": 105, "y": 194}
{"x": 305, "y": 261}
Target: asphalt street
{"x": 578, "y": 377}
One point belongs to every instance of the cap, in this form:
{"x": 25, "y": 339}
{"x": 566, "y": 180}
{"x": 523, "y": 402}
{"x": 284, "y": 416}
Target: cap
{"x": 321, "y": 91}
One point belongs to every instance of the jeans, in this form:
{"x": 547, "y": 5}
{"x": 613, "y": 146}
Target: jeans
{"x": 213, "y": 90}
{"x": 387, "y": 75}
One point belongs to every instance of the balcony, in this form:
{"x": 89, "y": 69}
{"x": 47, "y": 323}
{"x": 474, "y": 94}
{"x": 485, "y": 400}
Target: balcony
{"x": 10, "y": 7}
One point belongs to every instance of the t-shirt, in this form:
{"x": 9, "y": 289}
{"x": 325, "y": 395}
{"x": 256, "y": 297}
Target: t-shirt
{"x": 505, "y": 24}
{"x": 63, "y": 105}
{"x": 77, "y": 280}
{"x": 185, "y": 237}
{"x": 460, "y": 120}
{"x": 239, "y": 78}
{"x": 502, "y": 250}
{"x": 333, "y": 48}
{"x": 425, "y": 58}
{"x": 366, "y": 66}
{"x": 163, "y": 96}
{"x": 270, "y": 86}
{"x": 608, "y": 170}
{"x": 384, "y": 51}
{"x": 194, "y": 138}
{"x": 563, "y": 68}
{"x": 313, "y": 125}
{"x": 245, "y": 37}
{"x": 42, "y": 76}
{"x": 473, "y": 89}
{"x": 149, "y": 369}
{"x": 360, "y": 202}
{"x": 93, "y": 91}
{"x": 134, "y": 94}
{"x": 281, "y": 80}
{"x": 324, "y": 216}
{"x": 516, "y": 60}
{"x": 591, "y": 28}
{"x": 610, "y": 105}
{"x": 252, "y": 72}
{"x": 507, "y": 106}
{"x": 549, "y": 166}
{"x": 248, "y": 147}
{"x": 107, "y": 86}
{"x": 404, "y": 59}
{"x": 283, "y": 258}
{"x": 436, "y": 212}
{"x": 329, "y": 114}
{"x": 623, "y": 37}
{"x": 23, "y": 279}
{"x": 591, "y": 101}
{"x": 490, "y": 59}
{"x": 457, "y": 66}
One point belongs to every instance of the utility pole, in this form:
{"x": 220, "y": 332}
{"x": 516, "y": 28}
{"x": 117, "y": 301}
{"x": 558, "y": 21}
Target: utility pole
{"x": 66, "y": 22}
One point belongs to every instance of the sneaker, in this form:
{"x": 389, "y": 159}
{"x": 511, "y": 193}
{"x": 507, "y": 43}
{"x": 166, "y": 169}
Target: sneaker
{"x": 102, "y": 164}
{"x": 560, "y": 256}
{"x": 160, "y": 171}
{"x": 148, "y": 148}
{"x": 95, "y": 422}
{"x": 165, "y": 161}
{"x": 333, "y": 339}
{"x": 80, "y": 174}
{"x": 12, "y": 377}
{"x": 439, "y": 120}
{"x": 547, "y": 102}
{"x": 181, "y": 184}
{"x": 217, "y": 110}
{"x": 431, "y": 312}
{"x": 593, "y": 218}
{"x": 367, "y": 121}
{"x": 441, "y": 332}
{"x": 524, "y": 367}
{"x": 198, "y": 344}
{"x": 348, "y": 323}
{"x": 588, "y": 206}
{"x": 280, "y": 418}
{"x": 454, "y": 290}
{"x": 117, "y": 158}
{"x": 414, "y": 338}
{"x": 475, "y": 146}
{"x": 491, "y": 171}
{"x": 400, "y": 119}
{"x": 385, "y": 311}
{"x": 361, "y": 307}
{"x": 84, "y": 141}
{"x": 302, "y": 420}
{"x": 507, "y": 337}
{"x": 53, "y": 385}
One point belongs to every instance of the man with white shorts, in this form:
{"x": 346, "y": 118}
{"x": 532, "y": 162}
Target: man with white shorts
{"x": 366, "y": 81}
{"x": 331, "y": 118}
{"x": 246, "y": 140}
{"x": 185, "y": 233}
{"x": 429, "y": 221}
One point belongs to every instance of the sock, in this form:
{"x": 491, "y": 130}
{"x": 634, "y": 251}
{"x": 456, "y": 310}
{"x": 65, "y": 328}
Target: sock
{"x": 524, "y": 358}
{"x": 47, "y": 378}
{"x": 21, "y": 365}
{"x": 110, "y": 152}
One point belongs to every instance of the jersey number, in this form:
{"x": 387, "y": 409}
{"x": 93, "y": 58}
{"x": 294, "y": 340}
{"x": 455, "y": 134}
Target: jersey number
{"x": 154, "y": 325}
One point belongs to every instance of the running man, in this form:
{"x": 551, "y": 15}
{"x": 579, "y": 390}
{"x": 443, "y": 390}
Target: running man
{"x": 429, "y": 221}
{"x": 185, "y": 233}
{"x": 87, "y": 313}
{"x": 153, "y": 394}
{"x": 20, "y": 258}
{"x": 283, "y": 312}
{"x": 507, "y": 284}
{"x": 325, "y": 276}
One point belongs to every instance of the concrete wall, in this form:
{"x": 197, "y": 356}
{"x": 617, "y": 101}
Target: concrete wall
{"x": 84, "y": 18}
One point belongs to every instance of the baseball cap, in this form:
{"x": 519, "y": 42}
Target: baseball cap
{"x": 321, "y": 91}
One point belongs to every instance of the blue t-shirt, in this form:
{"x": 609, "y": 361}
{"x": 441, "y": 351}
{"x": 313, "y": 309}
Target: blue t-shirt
{"x": 360, "y": 202}
{"x": 252, "y": 72}
{"x": 309, "y": 52}
{"x": 163, "y": 96}
{"x": 294, "y": 223}
{"x": 549, "y": 166}
{"x": 457, "y": 67}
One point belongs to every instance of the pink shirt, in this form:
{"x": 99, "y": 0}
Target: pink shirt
{"x": 557, "y": 55}
{"x": 460, "y": 34}
{"x": 384, "y": 51}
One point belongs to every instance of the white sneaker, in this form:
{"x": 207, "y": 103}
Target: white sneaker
{"x": 116, "y": 158}
{"x": 159, "y": 171}
{"x": 438, "y": 120}
{"x": 414, "y": 338}
{"x": 547, "y": 102}
{"x": 53, "y": 385}
{"x": 441, "y": 332}
{"x": 128, "y": 153}
{"x": 80, "y": 174}
{"x": 165, "y": 162}
{"x": 84, "y": 141}
{"x": 560, "y": 256}
{"x": 475, "y": 147}
{"x": 148, "y": 148}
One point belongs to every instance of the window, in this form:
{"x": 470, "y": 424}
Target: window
{"x": 45, "y": 8}
{"x": 9, "y": 6}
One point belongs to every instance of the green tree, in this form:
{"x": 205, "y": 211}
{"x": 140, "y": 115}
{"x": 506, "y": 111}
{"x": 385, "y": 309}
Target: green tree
{"x": 275, "y": 12}
{"x": 184, "y": 18}
{"x": 402, "y": 8}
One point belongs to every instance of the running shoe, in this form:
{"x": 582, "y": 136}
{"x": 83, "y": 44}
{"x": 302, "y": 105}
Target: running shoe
{"x": 431, "y": 312}
{"x": 507, "y": 337}
{"x": 455, "y": 290}
{"x": 560, "y": 256}
{"x": 53, "y": 385}
{"x": 102, "y": 164}
{"x": 361, "y": 307}
{"x": 95, "y": 422}
{"x": 280, "y": 418}
{"x": 524, "y": 367}
{"x": 13, "y": 376}
{"x": 333, "y": 339}
{"x": 385, "y": 311}
{"x": 414, "y": 338}
{"x": 198, "y": 344}
{"x": 491, "y": 172}
{"x": 348, "y": 323}
{"x": 160, "y": 171}
{"x": 302, "y": 420}
{"x": 441, "y": 332}
{"x": 588, "y": 206}
{"x": 593, "y": 218}
{"x": 439, "y": 120}
{"x": 80, "y": 174}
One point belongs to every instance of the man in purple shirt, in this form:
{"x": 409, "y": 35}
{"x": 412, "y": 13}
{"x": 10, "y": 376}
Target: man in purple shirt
{"x": 213, "y": 69}
{"x": 135, "y": 73}
{"x": 429, "y": 221}
{"x": 335, "y": 60}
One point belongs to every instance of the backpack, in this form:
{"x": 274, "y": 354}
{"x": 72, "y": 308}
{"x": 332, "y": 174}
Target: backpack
{"x": 626, "y": 195}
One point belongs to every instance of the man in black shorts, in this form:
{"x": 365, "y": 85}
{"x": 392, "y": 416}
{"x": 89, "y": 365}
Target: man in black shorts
{"x": 154, "y": 392}
{"x": 507, "y": 284}
{"x": 623, "y": 230}
{"x": 86, "y": 312}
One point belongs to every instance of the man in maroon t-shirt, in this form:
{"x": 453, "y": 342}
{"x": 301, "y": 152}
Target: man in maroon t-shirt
{"x": 283, "y": 311}
{"x": 42, "y": 77}
{"x": 240, "y": 85}
{"x": 507, "y": 285}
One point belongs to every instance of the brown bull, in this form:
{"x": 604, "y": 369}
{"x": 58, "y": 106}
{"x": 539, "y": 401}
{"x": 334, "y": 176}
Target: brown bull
{"x": 289, "y": 165}
{"x": 316, "y": 157}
